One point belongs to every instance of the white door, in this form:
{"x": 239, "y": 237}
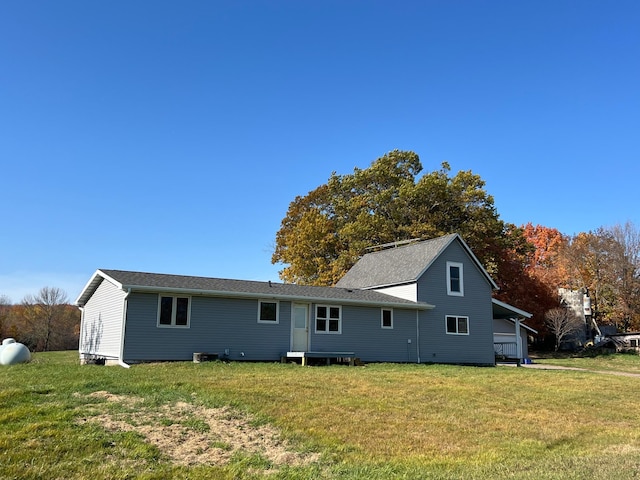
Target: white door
{"x": 300, "y": 328}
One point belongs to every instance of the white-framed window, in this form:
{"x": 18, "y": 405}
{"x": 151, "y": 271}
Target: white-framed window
{"x": 328, "y": 319}
{"x": 386, "y": 318}
{"x": 174, "y": 311}
{"x": 456, "y": 325}
{"x": 268, "y": 311}
{"x": 455, "y": 280}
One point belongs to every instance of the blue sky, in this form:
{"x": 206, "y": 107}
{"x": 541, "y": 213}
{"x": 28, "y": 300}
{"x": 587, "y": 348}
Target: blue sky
{"x": 171, "y": 136}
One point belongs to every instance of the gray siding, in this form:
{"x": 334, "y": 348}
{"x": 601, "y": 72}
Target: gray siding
{"x": 362, "y": 334}
{"x": 101, "y": 333}
{"x": 216, "y": 324}
{"x": 435, "y": 344}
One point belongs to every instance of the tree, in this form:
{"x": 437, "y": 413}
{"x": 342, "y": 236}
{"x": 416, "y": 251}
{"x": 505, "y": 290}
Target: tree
{"x": 5, "y": 310}
{"x": 42, "y": 313}
{"x": 625, "y": 274}
{"x": 548, "y": 261}
{"x": 531, "y": 273}
{"x": 562, "y": 322}
{"x": 325, "y": 232}
{"x": 607, "y": 263}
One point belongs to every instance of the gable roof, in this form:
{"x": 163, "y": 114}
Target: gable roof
{"x": 401, "y": 265}
{"x": 219, "y": 287}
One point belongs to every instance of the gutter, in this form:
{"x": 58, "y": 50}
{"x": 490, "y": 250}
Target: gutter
{"x": 80, "y": 346}
{"x": 264, "y": 296}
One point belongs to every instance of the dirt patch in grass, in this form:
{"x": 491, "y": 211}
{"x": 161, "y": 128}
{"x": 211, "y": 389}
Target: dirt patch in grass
{"x": 195, "y": 435}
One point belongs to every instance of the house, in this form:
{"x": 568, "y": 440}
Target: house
{"x": 424, "y": 302}
{"x": 620, "y": 342}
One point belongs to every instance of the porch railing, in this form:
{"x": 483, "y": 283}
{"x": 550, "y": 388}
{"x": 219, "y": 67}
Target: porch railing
{"x": 506, "y": 349}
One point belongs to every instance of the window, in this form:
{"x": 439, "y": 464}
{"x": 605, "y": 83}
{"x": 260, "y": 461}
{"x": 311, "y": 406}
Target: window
{"x": 387, "y": 318}
{"x": 633, "y": 342}
{"x": 328, "y": 319}
{"x": 268, "y": 312}
{"x": 457, "y": 325}
{"x": 455, "y": 284}
{"x": 173, "y": 311}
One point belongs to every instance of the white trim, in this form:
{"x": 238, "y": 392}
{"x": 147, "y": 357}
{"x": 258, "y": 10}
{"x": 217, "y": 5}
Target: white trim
{"x": 269, "y": 322}
{"x": 382, "y": 325}
{"x": 457, "y": 317}
{"x": 125, "y": 308}
{"x": 327, "y": 319}
{"x": 460, "y": 266}
{"x": 174, "y": 311}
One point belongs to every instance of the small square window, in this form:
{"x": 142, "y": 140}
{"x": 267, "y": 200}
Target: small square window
{"x": 267, "y": 312}
{"x": 387, "y": 318}
{"x": 457, "y": 325}
{"x": 328, "y": 319}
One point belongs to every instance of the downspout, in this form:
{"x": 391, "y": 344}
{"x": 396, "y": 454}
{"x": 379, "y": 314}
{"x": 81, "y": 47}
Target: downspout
{"x": 418, "y": 334}
{"x": 121, "y": 361}
{"x": 81, "y": 330}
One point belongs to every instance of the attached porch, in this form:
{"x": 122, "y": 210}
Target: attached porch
{"x": 509, "y": 333}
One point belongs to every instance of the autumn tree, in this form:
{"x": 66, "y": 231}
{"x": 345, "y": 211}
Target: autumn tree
{"x": 326, "y": 231}
{"x": 520, "y": 286}
{"x": 548, "y": 260}
{"x": 531, "y": 274}
{"x": 562, "y": 322}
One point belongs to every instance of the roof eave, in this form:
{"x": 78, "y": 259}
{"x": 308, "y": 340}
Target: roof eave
{"x": 275, "y": 296}
{"x": 511, "y": 308}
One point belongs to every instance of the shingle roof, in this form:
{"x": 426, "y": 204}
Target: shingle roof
{"x": 403, "y": 264}
{"x": 156, "y": 282}
{"x": 395, "y": 266}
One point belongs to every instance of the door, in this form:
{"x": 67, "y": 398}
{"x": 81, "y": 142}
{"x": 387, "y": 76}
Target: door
{"x": 300, "y": 328}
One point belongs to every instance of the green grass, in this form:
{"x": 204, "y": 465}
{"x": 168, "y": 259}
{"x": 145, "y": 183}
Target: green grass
{"x": 619, "y": 362}
{"x": 379, "y": 421}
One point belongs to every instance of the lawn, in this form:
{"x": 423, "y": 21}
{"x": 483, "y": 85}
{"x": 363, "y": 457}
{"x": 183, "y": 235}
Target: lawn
{"x": 627, "y": 362}
{"x": 267, "y": 420}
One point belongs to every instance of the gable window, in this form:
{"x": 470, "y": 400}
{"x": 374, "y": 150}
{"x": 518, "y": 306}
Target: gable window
{"x": 174, "y": 311}
{"x": 328, "y": 319}
{"x": 268, "y": 311}
{"x": 455, "y": 283}
{"x": 386, "y": 318}
{"x": 457, "y": 325}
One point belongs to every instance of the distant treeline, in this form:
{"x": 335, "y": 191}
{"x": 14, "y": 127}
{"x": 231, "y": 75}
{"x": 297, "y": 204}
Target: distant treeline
{"x": 45, "y": 321}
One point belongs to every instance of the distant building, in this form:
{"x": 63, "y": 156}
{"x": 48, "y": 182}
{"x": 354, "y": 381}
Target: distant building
{"x": 579, "y": 303}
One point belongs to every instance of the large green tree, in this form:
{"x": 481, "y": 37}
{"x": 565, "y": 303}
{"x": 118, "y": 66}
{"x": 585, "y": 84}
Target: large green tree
{"x": 325, "y": 232}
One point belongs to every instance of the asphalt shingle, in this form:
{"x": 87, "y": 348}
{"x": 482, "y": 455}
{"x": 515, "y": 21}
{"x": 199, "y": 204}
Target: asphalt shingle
{"x": 394, "y": 266}
{"x": 219, "y": 286}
